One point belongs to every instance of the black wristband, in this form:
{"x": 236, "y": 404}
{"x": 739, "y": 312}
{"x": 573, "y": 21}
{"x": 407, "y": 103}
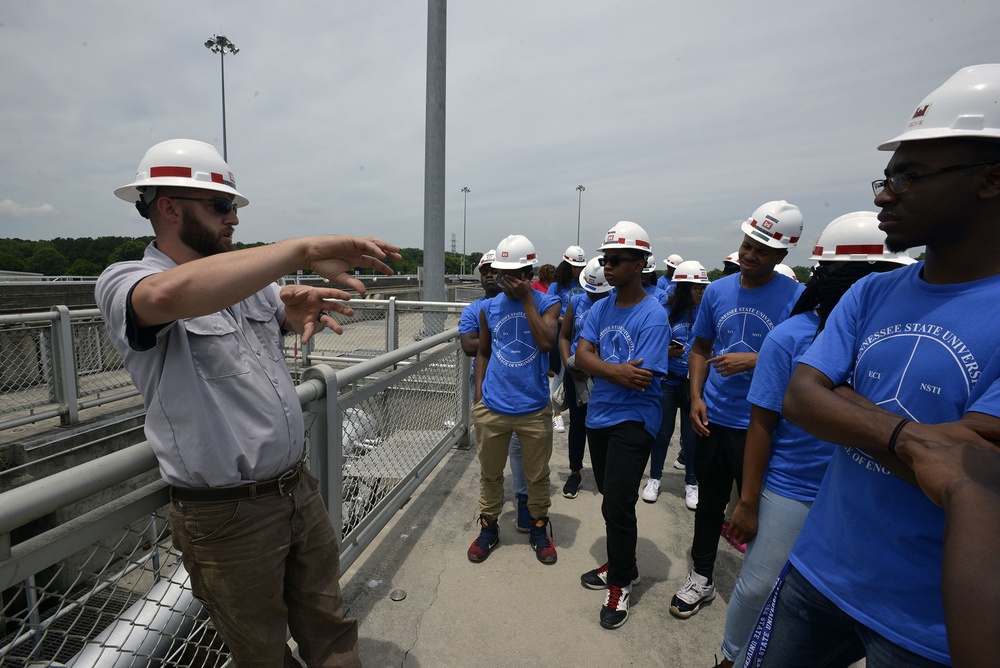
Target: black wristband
{"x": 895, "y": 435}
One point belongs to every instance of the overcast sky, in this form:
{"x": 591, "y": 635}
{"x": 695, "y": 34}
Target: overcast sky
{"x": 682, "y": 117}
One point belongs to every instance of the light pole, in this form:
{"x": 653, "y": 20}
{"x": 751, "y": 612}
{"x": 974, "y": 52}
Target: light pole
{"x": 220, "y": 45}
{"x": 465, "y": 206}
{"x": 579, "y": 203}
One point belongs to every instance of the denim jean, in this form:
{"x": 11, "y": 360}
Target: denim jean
{"x": 264, "y": 567}
{"x": 577, "y": 436}
{"x": 809, "y": 630}
{"x": 779, "y": 521}
{"x": 671, "y": 401}
{"x": 718, "y": 462}
{"x": 517, "y": 478}
{"x": 619, "y": 455}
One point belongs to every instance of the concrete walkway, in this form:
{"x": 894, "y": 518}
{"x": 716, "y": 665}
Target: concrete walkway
{"x": 513, "y": 611}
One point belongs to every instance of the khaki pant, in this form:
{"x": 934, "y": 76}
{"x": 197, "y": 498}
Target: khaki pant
{"x": 493, "y": 431}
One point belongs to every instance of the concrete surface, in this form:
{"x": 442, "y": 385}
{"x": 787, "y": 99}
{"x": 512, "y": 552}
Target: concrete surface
{"x": 512, "y": 610}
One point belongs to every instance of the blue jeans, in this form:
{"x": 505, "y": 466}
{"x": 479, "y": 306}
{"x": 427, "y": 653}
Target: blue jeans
{"x": 618, "y": 455}
{"x": 779, "y": 521}
{"x": 517, "y": 478}
{"x": 671, "y": 401}
{"x": 809, "y": 630}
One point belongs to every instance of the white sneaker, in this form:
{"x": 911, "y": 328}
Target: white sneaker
{"x": 691, "y": 496}
{"x": 614, "y": 612}
{"x": 689, "y": 598}
{"x": 652, "y": 491}
{"x": 557, "y": 424}
{"x": 678, "y": 464}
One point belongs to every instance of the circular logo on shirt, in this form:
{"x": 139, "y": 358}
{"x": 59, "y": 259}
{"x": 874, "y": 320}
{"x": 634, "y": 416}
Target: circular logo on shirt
{"x": 616, "y": 345}
{"x": 513, "y": 345}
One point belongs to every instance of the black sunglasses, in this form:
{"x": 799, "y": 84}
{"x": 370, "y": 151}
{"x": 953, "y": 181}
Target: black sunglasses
{"x": 615, "y": 260}
{"x": 220, "y": 205}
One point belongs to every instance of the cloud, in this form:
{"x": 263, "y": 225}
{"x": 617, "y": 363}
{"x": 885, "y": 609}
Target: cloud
{"x": 11, "y": 209}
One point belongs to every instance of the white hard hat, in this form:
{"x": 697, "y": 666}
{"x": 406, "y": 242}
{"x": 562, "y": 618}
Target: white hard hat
{"x": 777, "y": 224}
{"x": 966, "y": 105}
{"x": 690, "y": 271}
{"x": 785, "y": 270}
{"x": 575, "y": 256}
{"x": 650, "y": 264}
{"x": 626, "y": 234}
{"x": 186, "y": 163}
{"x": 592, "y": 277}
{"x": 514, "y": 252}
{"x": 487, "y": 258}
{"x": 733, "y": 258}
{"x": 855, "y": 237}
{"x": 673, "y": 261}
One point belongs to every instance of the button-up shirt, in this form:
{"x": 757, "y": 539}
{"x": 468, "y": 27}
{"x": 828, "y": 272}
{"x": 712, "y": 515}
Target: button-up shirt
{"x": 221, "y": 407}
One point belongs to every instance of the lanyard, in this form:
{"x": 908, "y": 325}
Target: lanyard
{"x": 757, "y": 646}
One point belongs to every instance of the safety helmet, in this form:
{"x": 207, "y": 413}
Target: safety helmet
{"x": 514, "y": 252}
{"x": 673, "y": 261}
{"x": 733, "y": 258}
{"x": 186, "y": 163}
{"x": 592, "y": 277}
{"x": 650, "y": 264}
{"x": 785, "y": 270}
{"x": 626, "y": 234}
{"x": 575, "y": 256}
{"x": 487, "y": 258}
{"x": 966, "y": 105}
{"x": 690, "y": 271}
{"x": 777, "y": 224}
{"x": 855, "y": 237}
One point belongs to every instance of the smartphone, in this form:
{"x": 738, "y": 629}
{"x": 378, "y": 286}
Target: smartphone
{"x": 674, "y": 343}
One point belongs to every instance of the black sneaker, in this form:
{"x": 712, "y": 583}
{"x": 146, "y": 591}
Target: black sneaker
{"x": 614, "y": 612}
{"x": 598, "y": 578}
{"x": 489, "y": 536}
{"x": 572, "y": 486}
{"x": 544, "y": 548}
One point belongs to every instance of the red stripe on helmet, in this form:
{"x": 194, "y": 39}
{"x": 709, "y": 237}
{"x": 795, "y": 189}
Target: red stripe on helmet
{"x": 867, "y": 249}
{"x": 156, "y": 172}
{"x": 640, "y": 242}
{"x": 218, "y": 178}
{"x": 531, "y": 256}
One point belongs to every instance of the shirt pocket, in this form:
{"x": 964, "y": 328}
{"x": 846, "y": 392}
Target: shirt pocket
{"x": 217, "y": 350}
{"x": 261, "y": 317}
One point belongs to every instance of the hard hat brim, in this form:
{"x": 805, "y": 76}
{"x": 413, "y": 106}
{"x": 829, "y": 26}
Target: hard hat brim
{"x": 131, "y": 193}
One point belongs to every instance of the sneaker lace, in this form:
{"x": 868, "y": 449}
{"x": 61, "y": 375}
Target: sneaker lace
{"x": 614, "y": 596}
{"x": 545, "y": 533}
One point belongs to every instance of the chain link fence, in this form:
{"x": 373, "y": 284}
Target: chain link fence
{"x": 88, "y": 574}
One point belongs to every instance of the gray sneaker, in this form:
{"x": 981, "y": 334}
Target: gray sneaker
{"x": 689, "y": 598}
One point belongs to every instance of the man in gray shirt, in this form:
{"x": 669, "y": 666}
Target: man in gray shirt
{"x": 200, "y": 331}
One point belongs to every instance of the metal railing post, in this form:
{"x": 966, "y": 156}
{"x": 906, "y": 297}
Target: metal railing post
{"x": 64, "y": 366}
{"x": 391, "y": 326}
{"x": 326, "y": 433}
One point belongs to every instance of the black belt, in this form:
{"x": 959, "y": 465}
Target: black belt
{"x": 281, "y": 485}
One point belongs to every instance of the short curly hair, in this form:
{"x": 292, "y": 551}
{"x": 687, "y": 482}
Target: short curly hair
{"x": 546, "y": 273}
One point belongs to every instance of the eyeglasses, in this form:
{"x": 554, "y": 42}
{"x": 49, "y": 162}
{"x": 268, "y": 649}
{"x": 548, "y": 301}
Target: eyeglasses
{"x": 614, "y": 260}
{"x": 221, "y": 205}
{"x": 900, "y": 183}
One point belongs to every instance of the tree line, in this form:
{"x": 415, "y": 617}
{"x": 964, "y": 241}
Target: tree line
{"x": 86, "y": 256}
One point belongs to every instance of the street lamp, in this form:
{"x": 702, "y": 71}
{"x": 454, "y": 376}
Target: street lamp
{"x": 465, "y": 203}
{"x": 579, "y": 203}
{"x": 220, "y": 45}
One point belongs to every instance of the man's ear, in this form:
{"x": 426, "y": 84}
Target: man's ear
{"x": 991, "y": 186}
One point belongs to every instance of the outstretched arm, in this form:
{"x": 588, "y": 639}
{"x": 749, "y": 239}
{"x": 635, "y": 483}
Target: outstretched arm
{"x": 209, "y": 284}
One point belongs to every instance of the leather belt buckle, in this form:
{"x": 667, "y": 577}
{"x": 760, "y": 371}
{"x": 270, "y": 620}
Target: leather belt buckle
{"x": 288, "y": 480}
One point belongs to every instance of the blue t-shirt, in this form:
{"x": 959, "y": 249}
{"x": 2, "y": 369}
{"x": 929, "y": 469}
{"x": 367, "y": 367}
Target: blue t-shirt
{"x": 582, "y": 304}
{"x": 659, "y": 295}
{"x": 736, "y": 320}
{"x": 872, "y": 543}
{"x": 680, "y": 331}
{"x": 666, "y": 284}
{"x": 564, "y": 293}
{"x": 516, "y": 381}
{"x": 468, "y": 323}
{"x": 623, "y": 334}
{"x": 798, "y": 460}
